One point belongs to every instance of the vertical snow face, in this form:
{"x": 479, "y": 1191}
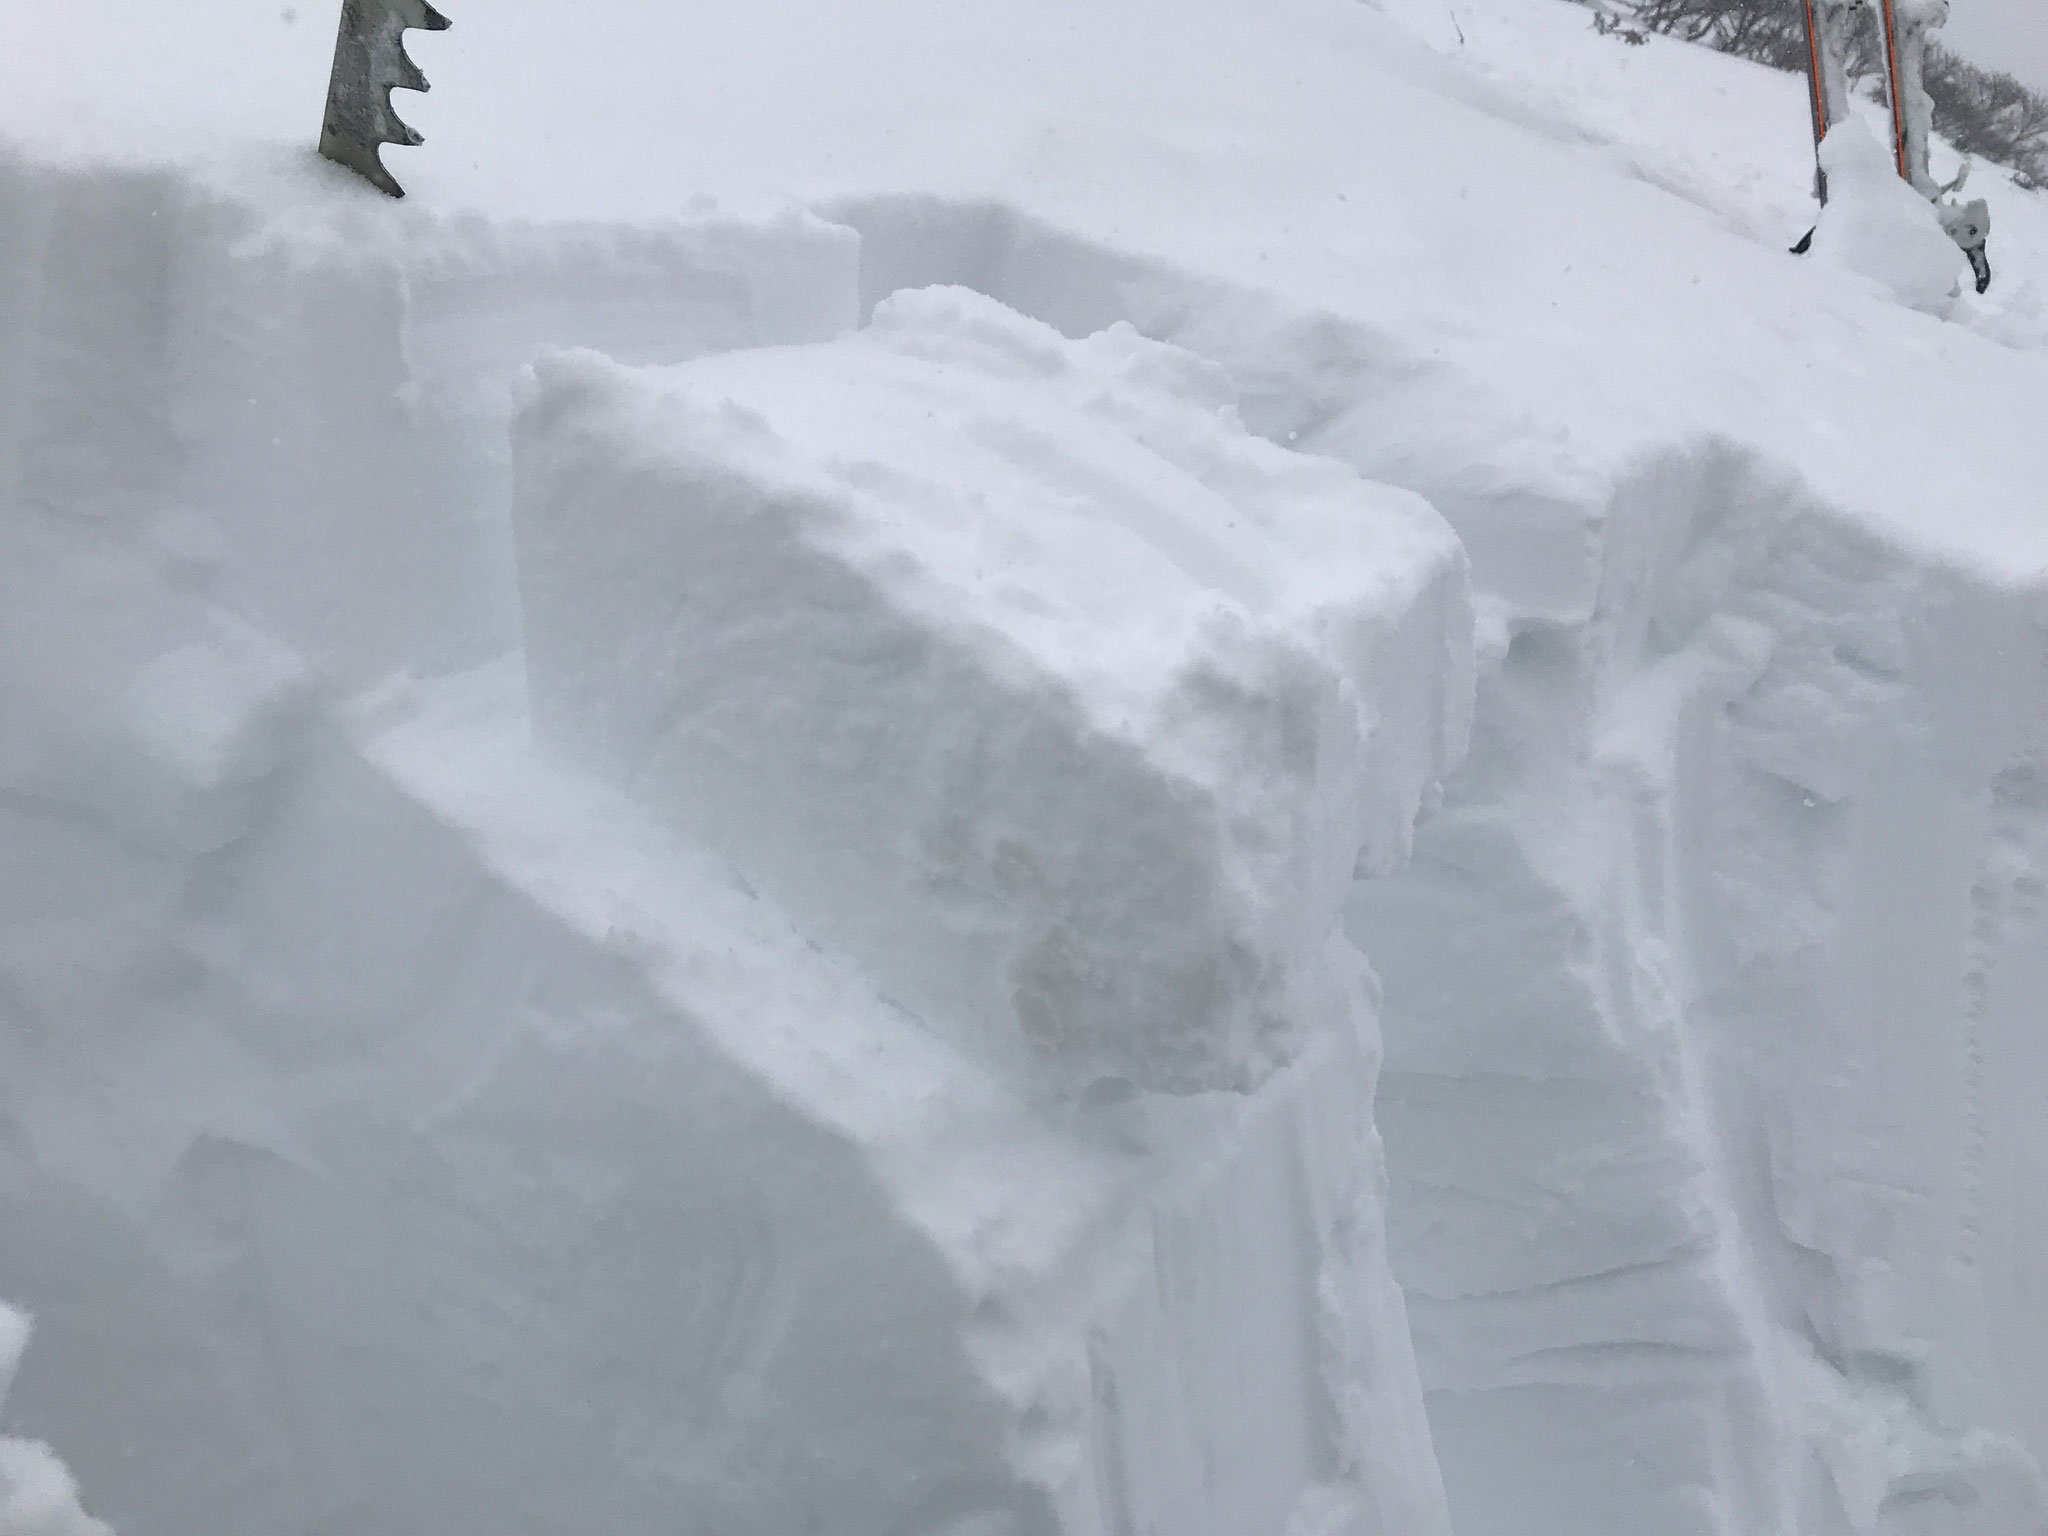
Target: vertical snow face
{"x": 310, "y": 403}
{"x": 461, "y": 1149}
{"x": 1691, "y": 1006}
{"x": 402, "y": 1134}
{"x": 1013, "y": 666}
{"x": 1115, "y": 1280}
{"x": 1710, "y": 996}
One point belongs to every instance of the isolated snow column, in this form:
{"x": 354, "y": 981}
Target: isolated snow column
{"x": 1152, "y": 639}
{"x": 1019, "y": 673}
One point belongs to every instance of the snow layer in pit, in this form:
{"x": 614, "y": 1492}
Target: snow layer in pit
{"x": 303, "y": 404}
{"x": 455, "y": 1153}
{"x": 1705, "y": 1194}
{"x": 1581, "y": 1199}
{"x": 1012, "y": 665}
{"x": 1497, "y": 277}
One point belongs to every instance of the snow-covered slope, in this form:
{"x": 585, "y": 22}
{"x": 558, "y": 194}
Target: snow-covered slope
{"x": 810, "y": 980}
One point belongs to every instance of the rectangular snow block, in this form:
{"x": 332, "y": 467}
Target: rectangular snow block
{"x": 1013, "y": 666}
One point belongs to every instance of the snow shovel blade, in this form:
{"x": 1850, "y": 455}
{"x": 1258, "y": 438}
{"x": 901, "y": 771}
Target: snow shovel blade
{"x": 369, "y": 63}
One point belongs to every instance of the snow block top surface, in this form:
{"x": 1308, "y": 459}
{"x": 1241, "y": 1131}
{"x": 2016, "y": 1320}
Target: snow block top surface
{"x": 1013, "y": 665}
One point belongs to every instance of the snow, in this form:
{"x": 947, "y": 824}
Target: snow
{"x": 236, "y": 383}
{"x": 761, "y": 816}
{"x": 1127, "y": 1271}
{"x": 1877, "y": 225}
{"x": 1189, "y": 682}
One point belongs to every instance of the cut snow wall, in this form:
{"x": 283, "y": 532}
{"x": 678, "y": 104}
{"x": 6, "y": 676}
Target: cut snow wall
{"x": 448, "y": 1146}
{"x": 310, "y": 407}
{"x": 397, "y": 1136}
{"x": 1731, "y": 1214}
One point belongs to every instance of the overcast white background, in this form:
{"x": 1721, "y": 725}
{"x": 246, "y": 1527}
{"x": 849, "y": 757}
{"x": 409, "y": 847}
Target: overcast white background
{"x": 2011, "y": 35}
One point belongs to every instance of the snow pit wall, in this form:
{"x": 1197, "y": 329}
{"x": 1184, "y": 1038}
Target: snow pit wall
{"x": 330, "y": 1120}
{"x": 1747, "y": 804}
{"x": 1702, "y": 972}
{"x": 449, "y": 1148}
{"x": 1689, "y": 1132}
{"x": 414, "y": 1208}
{"x": 249, "y": 377}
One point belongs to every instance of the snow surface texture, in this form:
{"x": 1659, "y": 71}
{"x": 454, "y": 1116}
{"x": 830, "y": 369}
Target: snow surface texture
{"x": 410, "y": 1123}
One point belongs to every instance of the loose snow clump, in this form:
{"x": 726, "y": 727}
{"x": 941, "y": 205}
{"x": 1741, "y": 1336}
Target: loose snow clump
{"x": 1875, "y": 224}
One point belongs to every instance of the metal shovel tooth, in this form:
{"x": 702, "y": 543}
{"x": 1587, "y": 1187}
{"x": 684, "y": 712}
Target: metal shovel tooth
{"x": 370, "y": 62}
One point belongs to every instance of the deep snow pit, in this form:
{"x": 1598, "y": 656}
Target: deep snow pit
{"x": 659, "y": 872}
{"x": 409, "y": 1133}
